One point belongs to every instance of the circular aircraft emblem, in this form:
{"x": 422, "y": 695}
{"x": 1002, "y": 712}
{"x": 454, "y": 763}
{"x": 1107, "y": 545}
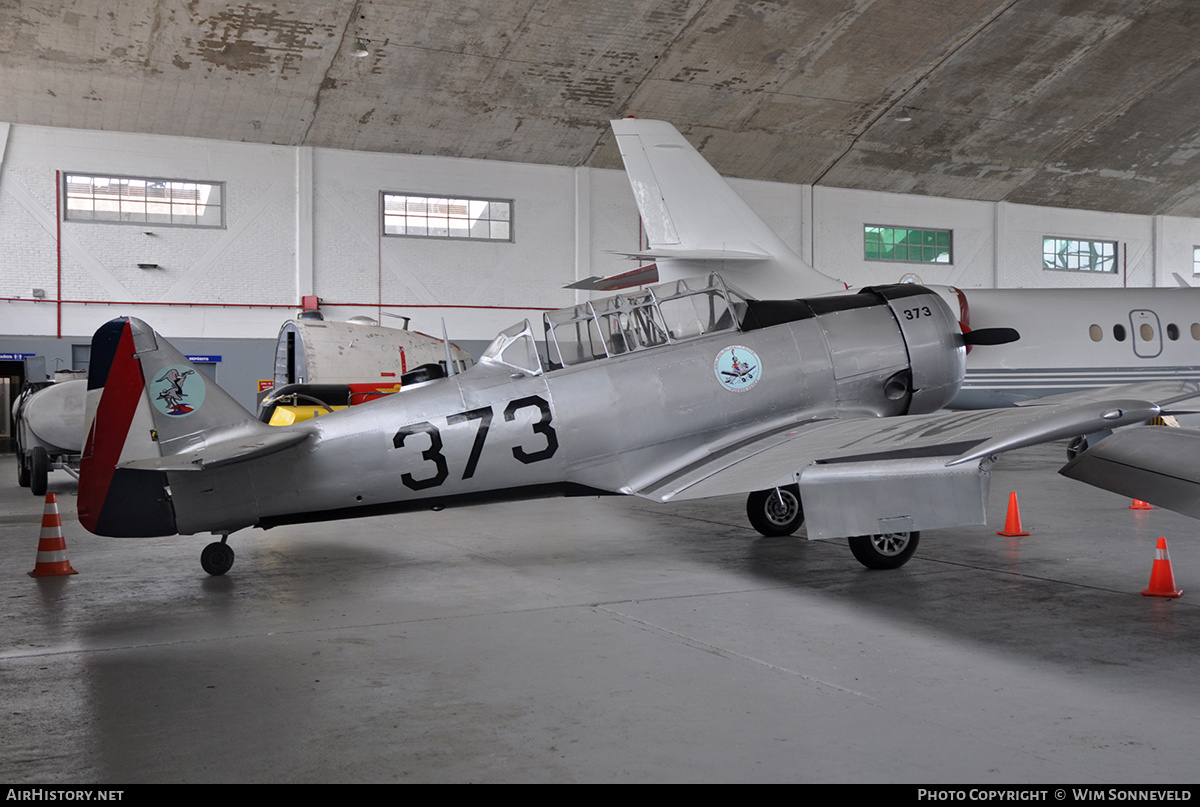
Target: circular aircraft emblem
{"x": 178, "y": 391}
{"x": 737, "y": 368}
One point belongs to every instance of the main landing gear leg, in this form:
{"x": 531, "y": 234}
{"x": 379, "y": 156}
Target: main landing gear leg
{"x": 217, "y": 557}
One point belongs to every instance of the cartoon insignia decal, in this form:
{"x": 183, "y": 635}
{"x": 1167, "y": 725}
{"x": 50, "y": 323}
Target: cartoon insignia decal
{"x": 169, "y": 395}
{"x": 738, "y": 368}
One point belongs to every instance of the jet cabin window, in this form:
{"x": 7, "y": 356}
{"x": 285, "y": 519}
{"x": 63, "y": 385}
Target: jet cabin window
{"x": 658, "y": 315}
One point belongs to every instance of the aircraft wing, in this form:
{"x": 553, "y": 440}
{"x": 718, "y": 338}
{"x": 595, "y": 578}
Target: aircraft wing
{"x": 946, "y": 440}
{"x": 1152, "y": 463}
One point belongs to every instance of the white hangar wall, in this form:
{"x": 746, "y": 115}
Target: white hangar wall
{"x": 997, "y": 244}
{"x": 250, "y": 260}
{"x": 302, "y": 221}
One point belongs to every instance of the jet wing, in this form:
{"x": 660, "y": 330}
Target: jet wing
{"x": 1152, "y": 463}
{"x": 778, "y": 456}
{"x": 1164, "y": 393}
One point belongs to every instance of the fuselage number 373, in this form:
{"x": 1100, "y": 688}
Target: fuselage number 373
{"x": 483, "y": 417}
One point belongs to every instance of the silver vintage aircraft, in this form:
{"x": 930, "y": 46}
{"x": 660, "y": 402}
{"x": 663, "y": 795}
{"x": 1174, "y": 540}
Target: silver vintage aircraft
{"x": 822, "y": 410}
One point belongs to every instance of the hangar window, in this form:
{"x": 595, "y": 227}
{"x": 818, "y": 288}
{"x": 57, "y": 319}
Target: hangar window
{"x": 1071, "y": 255}
{"x": 144, "y": 200}
{"x": 1196, "y": 260}
{"x": 447, "y": 217}
{"x": 882, "y": 243}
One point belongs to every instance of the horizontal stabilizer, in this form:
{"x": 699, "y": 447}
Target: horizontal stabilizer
{"x": 225, "y": 452}
{"x": 625, "y": 280}
{"x": 697, "y": 255}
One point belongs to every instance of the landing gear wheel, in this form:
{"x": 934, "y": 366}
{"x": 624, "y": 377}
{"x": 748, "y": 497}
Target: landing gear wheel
{"x": 39, "y": 470}
{"x": 776, "y": 511}
{"x": 217, "y": 558}
{"x": 22, "y": 471}
{"x": 889, "y": 550}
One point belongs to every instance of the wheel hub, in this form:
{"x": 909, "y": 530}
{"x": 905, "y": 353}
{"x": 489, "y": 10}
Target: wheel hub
{"x": 781, "y": 512}
{"x": 891, "y": 543}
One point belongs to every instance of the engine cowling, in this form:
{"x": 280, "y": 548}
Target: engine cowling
{"x": 893, "y": 350}
{"x": 937, "y": 356}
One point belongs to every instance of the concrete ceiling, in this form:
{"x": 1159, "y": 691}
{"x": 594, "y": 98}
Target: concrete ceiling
{"x": 1072, "y": 103}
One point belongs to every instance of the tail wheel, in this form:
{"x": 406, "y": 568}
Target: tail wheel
{"x": 776, "y": 511}
{"x": 889, "y": 550}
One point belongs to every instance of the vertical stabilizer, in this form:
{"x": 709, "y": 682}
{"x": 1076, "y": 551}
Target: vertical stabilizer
{"x": 697, "y": 223}
{"x": 144, "y": 400}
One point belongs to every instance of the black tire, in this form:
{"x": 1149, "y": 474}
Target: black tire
{"x": 777, "y": 511}
{"x": 887, "y": 551}
{"x": 39, "y": 471}
{"x": 217, "y": 558}
{"x": 22, "y": 471}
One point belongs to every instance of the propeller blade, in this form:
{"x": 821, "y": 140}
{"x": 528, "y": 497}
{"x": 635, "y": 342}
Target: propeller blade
{"x": 991, "y": 336}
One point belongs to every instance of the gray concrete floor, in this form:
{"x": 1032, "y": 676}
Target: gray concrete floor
{"x": 606, "y": 640}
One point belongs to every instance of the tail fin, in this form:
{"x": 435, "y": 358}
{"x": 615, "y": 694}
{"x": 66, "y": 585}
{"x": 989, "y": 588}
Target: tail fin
{"x": 144, "y": 400}
{"x": 697, "y": 223}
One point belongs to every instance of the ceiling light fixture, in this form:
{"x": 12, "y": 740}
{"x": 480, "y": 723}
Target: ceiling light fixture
{"x": 360, "y": 49}
{"x": 903, "y": 116}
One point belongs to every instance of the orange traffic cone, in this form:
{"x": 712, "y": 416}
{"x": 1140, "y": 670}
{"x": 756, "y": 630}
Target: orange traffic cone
{"x": 1012, "y": 524}
{"x": 52, "y": 547}
{"x": 1138, "y": 504}
{"x": 1162, "y": 579}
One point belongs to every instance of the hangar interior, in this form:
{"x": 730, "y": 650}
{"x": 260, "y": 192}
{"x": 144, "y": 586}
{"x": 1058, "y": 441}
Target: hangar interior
{"x": 632, "y": 645}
